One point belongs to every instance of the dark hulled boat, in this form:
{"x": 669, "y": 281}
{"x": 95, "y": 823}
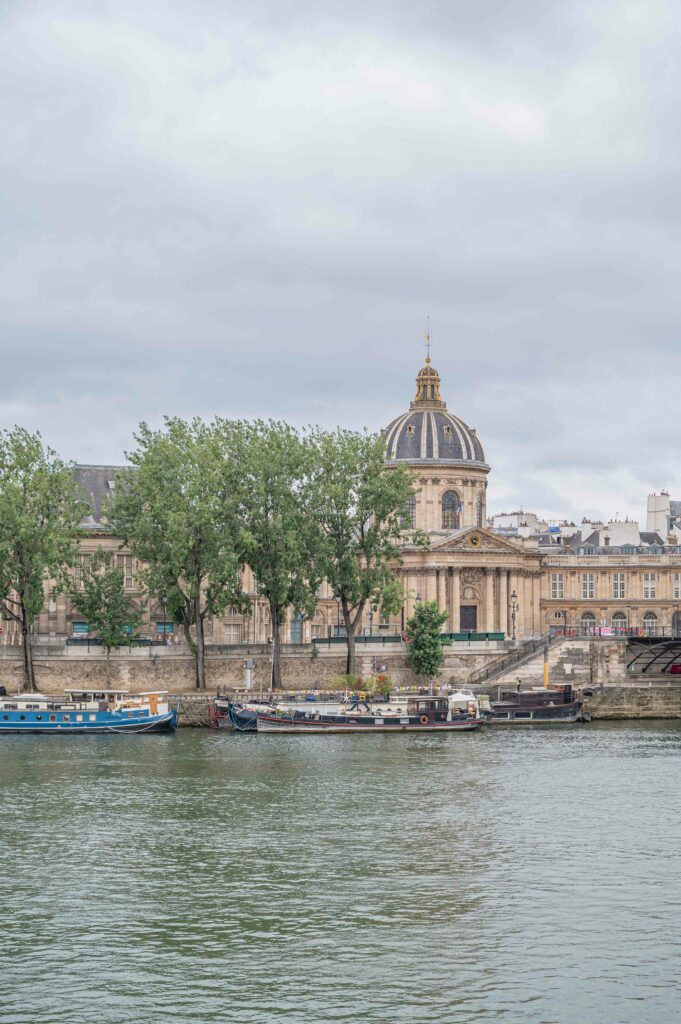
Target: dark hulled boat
{"x": 537, "y": 706}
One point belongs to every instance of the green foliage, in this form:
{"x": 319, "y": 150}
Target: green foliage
{"x": 424, "y": 638}
{"x": 39, "y": 517}
{"x": 101, "y": 597}
{"x": 176, "y": 511}
{"x": 359, "y": 507}
{"x": 271, "y": 467}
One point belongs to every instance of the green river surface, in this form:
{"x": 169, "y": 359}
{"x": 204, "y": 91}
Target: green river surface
{"x": 521, "y": 876}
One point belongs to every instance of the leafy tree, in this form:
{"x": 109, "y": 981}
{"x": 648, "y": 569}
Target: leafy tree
{"x": 425, "y": 652}
{"x": 111, "y": 612}
{"x": 360, "y": 506}
{"x": 176, "y": 512}
{"x": 271, "y": 467}
{"x": 39, "y": 517}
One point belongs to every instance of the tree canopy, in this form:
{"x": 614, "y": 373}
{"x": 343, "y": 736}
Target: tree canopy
{"x": 39, "y": 516}
{"x": 425, "y": 642}
{"x": 271, "y": 466}
{"x": 98, "y": 592}
{"x": 359, "y": 506}
{"x": 176, "y": 509}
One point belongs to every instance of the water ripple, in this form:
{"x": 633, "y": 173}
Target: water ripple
{"x": 523, "y": 877}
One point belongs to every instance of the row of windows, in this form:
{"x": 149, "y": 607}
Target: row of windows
{"x": 451, "y": 508}
{"x": 619, "y": 622}
{"x": 618, "y": 585}
{"x": 123, "y": 562}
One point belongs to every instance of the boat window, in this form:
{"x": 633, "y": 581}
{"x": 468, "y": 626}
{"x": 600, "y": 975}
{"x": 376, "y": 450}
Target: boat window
{"x": 53, "y": 718}
{"x": 93, "y": 718}
{"x": 523, "y": 714}
{"x": 22, "y": 718}
{"x": 66, "y": 718}
{"x": 501, "y": 714}
{"x": 79, "y": 718}
{"x": 5, "y": 717}
{"x": 38, "y": 718}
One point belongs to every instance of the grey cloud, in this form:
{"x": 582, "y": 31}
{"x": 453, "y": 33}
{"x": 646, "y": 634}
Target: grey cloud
{"x": 249, "y": 210}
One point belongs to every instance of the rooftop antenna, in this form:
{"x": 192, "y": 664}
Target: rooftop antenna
{"x": 427, "y": 337}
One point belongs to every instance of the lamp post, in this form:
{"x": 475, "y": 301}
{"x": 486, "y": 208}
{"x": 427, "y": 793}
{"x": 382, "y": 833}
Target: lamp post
{"x": 514, "y": 609}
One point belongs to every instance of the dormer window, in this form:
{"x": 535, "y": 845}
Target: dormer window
{"x": 410, "y": 429}
{"x": 447, "y": 431}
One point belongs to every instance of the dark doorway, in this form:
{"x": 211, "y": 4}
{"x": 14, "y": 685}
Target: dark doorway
{"x": 676, "y": 624}
{"x": 296, "y": 628}
{"x": 469, "y": 617}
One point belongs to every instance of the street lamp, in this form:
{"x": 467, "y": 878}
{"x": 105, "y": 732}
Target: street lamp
{"x": 514, "y": 609}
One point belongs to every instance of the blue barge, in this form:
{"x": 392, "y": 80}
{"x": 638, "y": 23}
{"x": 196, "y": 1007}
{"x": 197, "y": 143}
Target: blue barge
{"x": 88, "y": 712}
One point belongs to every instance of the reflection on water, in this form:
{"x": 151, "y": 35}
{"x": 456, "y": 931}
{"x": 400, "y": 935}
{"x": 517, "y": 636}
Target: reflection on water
{"x": 525, "y": 876}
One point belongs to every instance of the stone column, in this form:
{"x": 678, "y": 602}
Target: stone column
{"x": 455, "y": 602}
{"x": 503, "y": 601}
{"x": 441, "y": 590}
{"x": 488, "y": 626}
{"x": 536, "y": 598}
{"x": 431, "y": 586}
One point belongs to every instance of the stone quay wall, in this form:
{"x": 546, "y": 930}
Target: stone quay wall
{"x": 596, "y": 664}
{"x": 172, "y": 668}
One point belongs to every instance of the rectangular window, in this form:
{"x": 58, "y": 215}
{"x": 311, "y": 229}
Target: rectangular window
{"x": 649, "y": 584}
{"x": 93, "y": 718}
{"x": 618, "y": 585}
{"x": 676, "y": 580}
{"x": 588, "y": 586}
{"x": 124, "y": 562}
{"x": 557, "y": 586}
{"x": 232, "y": 634}
{"x": 81, "y": 564}
{"x": 316, "y": 631}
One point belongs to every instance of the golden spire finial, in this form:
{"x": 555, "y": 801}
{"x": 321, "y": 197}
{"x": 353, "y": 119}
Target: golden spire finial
{"x": 427, "y": 337}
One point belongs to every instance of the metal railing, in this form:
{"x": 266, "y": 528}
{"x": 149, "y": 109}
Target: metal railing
{"x": 525, "y": 652}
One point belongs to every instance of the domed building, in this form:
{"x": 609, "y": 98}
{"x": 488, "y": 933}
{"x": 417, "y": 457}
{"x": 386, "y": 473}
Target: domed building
{"x": 485, "y": 583}
{"x": 428, "y": 437}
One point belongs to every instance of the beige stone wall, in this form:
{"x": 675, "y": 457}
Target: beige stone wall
{"x": 172, "y": 671}
{"x": 575, "y": 575}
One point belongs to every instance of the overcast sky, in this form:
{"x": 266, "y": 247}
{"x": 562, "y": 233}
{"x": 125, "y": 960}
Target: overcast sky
{"x": 249, "y": 208}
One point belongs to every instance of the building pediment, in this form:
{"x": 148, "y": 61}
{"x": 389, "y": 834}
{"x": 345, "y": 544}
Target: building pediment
{"x": 475, "y": 539}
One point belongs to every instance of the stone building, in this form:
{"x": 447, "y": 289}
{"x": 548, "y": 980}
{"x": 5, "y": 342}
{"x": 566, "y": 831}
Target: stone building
{"x": 611, "y": 578}
{"x": 484, "y": 582}
{"x": 472, "y": 573}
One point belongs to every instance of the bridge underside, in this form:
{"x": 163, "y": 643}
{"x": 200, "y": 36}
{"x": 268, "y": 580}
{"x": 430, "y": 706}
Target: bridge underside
{"x": 651, "y": 654}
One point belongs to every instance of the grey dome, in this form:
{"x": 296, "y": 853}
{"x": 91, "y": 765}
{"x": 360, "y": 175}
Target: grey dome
{"x": 432, "y": 435}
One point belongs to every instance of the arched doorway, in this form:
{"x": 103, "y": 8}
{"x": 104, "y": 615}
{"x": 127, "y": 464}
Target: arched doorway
{"x": 650, "y": 624}
{"x": 587, "y": 624}
{"x": 619, "y": 623}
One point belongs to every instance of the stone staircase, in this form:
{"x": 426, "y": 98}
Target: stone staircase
{"x": 569, "y": 662}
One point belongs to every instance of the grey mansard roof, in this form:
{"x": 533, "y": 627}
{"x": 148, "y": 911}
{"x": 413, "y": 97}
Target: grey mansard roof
{"x": 428, "y": 433}
{"x": 95, "y": 485}
{"x": 432, "y": 435}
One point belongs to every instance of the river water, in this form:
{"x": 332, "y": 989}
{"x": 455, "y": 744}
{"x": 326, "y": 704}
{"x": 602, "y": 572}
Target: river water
{"x": 528, "y": 877}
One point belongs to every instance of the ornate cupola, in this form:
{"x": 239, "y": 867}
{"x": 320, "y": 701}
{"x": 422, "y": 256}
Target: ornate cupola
{"x": 428, "y": 389}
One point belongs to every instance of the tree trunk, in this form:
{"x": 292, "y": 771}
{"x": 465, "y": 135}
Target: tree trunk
{"x": 200, "y": 647}
{"x": 29, "y": 675}
{"x": 275, "y": 614}
{"x": 351, "y": 623}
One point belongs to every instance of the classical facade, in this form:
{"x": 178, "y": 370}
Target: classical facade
{"x": 483, "y": 582}
{"x": 607, "y": 578}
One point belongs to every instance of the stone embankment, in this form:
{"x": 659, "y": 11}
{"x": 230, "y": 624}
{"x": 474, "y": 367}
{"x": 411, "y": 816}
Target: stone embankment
{"x": 597, "y": 665}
